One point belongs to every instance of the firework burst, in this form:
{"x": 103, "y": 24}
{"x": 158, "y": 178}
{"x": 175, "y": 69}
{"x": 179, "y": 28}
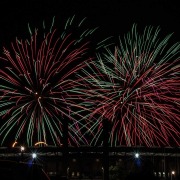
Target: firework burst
{"x": 135, "y": 86}
{"x": 37, "y": 82}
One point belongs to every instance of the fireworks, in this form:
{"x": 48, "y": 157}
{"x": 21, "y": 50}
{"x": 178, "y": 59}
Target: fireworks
{"x": 135, "y": 86}
{"x": 37, "y": 82}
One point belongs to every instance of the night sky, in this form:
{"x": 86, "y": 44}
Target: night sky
{"x": 113, "y": 17}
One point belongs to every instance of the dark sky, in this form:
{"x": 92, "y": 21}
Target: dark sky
{"x": 114, "y": 17}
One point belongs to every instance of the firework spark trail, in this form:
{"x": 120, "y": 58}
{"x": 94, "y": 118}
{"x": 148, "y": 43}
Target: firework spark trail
{"x": 36, "y": 85}
{"x": 136, "y": 87}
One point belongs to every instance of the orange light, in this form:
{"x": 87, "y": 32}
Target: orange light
{"x": 40, "y": 142}
{"x": 13, "y": 145}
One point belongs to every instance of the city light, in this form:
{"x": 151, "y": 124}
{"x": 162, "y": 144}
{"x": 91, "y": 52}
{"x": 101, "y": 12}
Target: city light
{"x": 40, "y": 143}
{"x": 136, "y": 155}
{"x": 172, "y": 174}
{"x": 14, "y": 144}
{"x": 22, "y": 148}
{"x": 34, "y": 155}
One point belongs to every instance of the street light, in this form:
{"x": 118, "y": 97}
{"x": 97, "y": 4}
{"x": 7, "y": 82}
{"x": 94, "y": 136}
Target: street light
{"x": 22, "y": 148}
{"x": 172, "y": 174}
{"x": 136, "y": 155}
{"x": 34, "y": 155}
